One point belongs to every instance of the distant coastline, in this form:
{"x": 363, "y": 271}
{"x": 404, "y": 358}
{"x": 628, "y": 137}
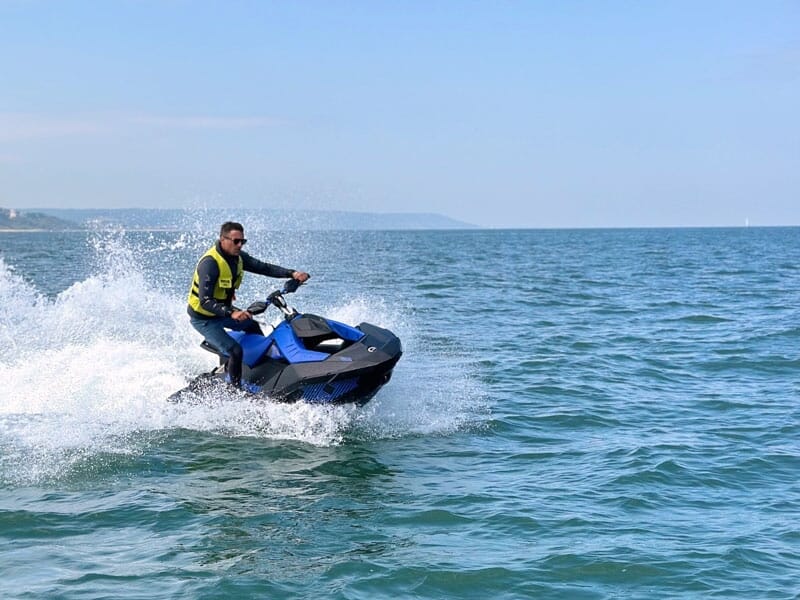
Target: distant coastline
{"x": 165, "y": 219}
{"x": 13, "y": 220}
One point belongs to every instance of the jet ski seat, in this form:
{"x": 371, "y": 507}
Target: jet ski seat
{"x": 312, "y": 329}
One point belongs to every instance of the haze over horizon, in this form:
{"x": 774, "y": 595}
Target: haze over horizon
{"x": 497, "y": 114}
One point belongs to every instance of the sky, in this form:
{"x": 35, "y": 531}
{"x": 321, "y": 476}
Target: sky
{"x": 496, "y": 113}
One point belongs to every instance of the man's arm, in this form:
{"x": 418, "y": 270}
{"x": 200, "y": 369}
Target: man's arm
{"x": 253, "y": 265}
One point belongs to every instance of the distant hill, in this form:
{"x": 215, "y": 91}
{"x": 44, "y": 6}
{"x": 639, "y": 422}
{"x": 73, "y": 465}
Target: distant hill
{"x": 252, "y": 219}
{"x": 12, "y": 219}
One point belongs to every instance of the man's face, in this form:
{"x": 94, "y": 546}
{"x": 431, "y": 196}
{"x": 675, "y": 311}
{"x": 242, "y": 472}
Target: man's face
{"x": 232, "y": 242}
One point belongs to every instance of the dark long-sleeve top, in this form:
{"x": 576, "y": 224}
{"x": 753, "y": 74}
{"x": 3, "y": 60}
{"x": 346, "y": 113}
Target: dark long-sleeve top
{"x": 208, "y": 272}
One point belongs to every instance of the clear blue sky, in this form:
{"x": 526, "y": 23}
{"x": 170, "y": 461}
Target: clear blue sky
{"x": 502, "y": 114}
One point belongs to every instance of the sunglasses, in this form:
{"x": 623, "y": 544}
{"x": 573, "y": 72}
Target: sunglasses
{"x": 237, "y": 241}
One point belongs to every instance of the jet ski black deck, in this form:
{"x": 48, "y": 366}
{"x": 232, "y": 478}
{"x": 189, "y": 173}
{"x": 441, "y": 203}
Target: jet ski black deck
{"x": 306, "y": 357}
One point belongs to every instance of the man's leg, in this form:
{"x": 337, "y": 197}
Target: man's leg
{"x": 213, "y": 331}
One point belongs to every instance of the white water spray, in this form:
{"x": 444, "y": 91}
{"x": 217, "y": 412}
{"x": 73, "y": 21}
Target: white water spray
{"x": 89, "y": 371}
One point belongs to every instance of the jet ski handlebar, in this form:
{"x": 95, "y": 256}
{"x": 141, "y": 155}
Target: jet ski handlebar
{"x": 276, "y": 299}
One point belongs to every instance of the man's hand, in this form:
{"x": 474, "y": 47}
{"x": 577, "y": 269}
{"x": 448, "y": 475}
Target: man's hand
{"x": 241, "y": 315}
{"x": 300, "y": 276}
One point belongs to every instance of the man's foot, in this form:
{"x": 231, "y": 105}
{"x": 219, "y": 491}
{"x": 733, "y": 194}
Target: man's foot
{"x": 250, "y": 388}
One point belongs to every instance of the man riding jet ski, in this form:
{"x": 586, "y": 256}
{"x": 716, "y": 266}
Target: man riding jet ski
{"x": 216, "y": 278}
{"x": 305, "y": 357}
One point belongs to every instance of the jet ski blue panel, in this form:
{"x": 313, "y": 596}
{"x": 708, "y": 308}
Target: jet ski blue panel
{"x": 253, "y": 345}
{"x": 291, "y": 348}
{"x": 287, "y": 345}
{"x": 351, "y": 334}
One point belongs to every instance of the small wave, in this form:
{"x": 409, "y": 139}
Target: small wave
{"x": 701, "y": 319}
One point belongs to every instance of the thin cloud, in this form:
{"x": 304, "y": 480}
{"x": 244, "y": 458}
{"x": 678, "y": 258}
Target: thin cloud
{"x": 206, "y": 122}
{"x": 18, "y": 127}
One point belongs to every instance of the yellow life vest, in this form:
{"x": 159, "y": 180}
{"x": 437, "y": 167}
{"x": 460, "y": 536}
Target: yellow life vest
{"x": 222, "y": 287}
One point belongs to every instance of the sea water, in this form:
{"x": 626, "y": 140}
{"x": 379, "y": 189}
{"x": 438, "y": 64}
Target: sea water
{"x": 578, "y": 414}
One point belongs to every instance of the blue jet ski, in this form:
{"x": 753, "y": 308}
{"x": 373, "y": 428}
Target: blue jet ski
{"x": 305, "y": 357}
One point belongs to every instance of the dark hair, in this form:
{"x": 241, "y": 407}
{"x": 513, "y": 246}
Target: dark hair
{"x": 229, "y": 226}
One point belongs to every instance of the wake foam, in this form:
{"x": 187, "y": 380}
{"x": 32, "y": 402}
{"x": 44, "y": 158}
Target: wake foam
{"x": 88, "y": 372}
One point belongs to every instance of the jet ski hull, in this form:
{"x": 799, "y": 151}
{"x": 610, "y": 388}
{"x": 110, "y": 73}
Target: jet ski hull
{"x": 309, "y": 359}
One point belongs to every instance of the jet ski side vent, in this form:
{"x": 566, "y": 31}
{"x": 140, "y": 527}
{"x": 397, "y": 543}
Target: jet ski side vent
{"x": 329, "y": 392}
